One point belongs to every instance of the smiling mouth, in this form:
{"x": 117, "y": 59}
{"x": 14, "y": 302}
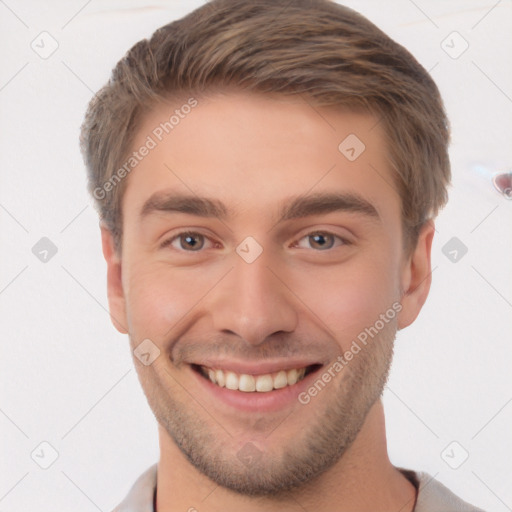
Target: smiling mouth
{"x": 264, "y": 383}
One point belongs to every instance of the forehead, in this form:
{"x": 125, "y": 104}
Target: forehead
{"x": 252, "y": 151}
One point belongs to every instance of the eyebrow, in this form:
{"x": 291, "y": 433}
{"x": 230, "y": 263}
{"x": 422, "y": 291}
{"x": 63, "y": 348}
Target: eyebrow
{"x": 295, "y": 207}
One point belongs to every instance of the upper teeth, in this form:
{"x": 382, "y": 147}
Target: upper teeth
{"x": 248, "y": 383}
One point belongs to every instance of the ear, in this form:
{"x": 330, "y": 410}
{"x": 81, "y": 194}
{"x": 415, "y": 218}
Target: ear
{"x": 416, "y": 277}
{"x": 116, "y": 300}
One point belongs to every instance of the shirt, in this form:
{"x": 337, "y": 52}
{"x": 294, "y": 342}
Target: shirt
{"x": 433, "y": 496}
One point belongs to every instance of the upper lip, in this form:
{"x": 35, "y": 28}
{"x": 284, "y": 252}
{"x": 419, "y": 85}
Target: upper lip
{"x": 252, "y": 368}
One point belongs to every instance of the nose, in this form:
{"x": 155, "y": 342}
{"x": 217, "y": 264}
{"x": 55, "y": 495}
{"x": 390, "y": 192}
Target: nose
{"x": 253, "y": 302}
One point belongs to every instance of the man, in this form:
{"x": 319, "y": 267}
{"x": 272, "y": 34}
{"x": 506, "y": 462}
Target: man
{"x": 267, "y": 174}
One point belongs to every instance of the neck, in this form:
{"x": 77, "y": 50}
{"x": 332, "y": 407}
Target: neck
{"x": 363, "y": 479}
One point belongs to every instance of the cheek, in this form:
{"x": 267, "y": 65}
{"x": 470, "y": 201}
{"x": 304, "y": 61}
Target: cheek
{"x": 155, "y": 302}
{"x": 161, "y": 301}
{"x": 350, "y": 298}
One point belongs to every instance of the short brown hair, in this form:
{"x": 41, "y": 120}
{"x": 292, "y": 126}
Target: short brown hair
{"x": 316, "y": 48}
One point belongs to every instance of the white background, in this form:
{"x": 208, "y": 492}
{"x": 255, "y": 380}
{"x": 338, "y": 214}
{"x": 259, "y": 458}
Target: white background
{"x": 66, "y": 374}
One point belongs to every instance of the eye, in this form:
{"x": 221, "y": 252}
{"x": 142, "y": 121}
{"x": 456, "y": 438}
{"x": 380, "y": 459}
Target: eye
{"x": 188, "y": 241}
{"x": 192, "y": 241}
{"x": 321, "y": 240}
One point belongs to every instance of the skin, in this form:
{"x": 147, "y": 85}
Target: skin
{"x": 298, "y": 298}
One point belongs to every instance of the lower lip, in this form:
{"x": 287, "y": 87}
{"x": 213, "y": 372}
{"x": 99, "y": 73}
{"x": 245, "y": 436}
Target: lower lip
{"x": 256, "y": 401}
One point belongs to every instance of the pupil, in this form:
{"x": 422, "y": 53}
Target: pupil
{"x": 320, "y": 240}
{"x": 191, "y": 241}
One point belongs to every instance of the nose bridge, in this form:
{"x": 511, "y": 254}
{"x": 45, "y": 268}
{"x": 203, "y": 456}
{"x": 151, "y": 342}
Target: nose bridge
{"x": 252, "y": 302}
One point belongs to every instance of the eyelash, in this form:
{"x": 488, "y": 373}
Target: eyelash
{"x": 169, "y": 241}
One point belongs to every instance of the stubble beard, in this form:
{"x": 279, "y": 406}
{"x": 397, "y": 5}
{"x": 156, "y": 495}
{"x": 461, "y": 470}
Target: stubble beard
{"x": 305, "y": 457}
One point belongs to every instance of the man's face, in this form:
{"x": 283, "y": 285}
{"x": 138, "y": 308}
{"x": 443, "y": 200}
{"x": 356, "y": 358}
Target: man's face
{"x": 262, "y": 289}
